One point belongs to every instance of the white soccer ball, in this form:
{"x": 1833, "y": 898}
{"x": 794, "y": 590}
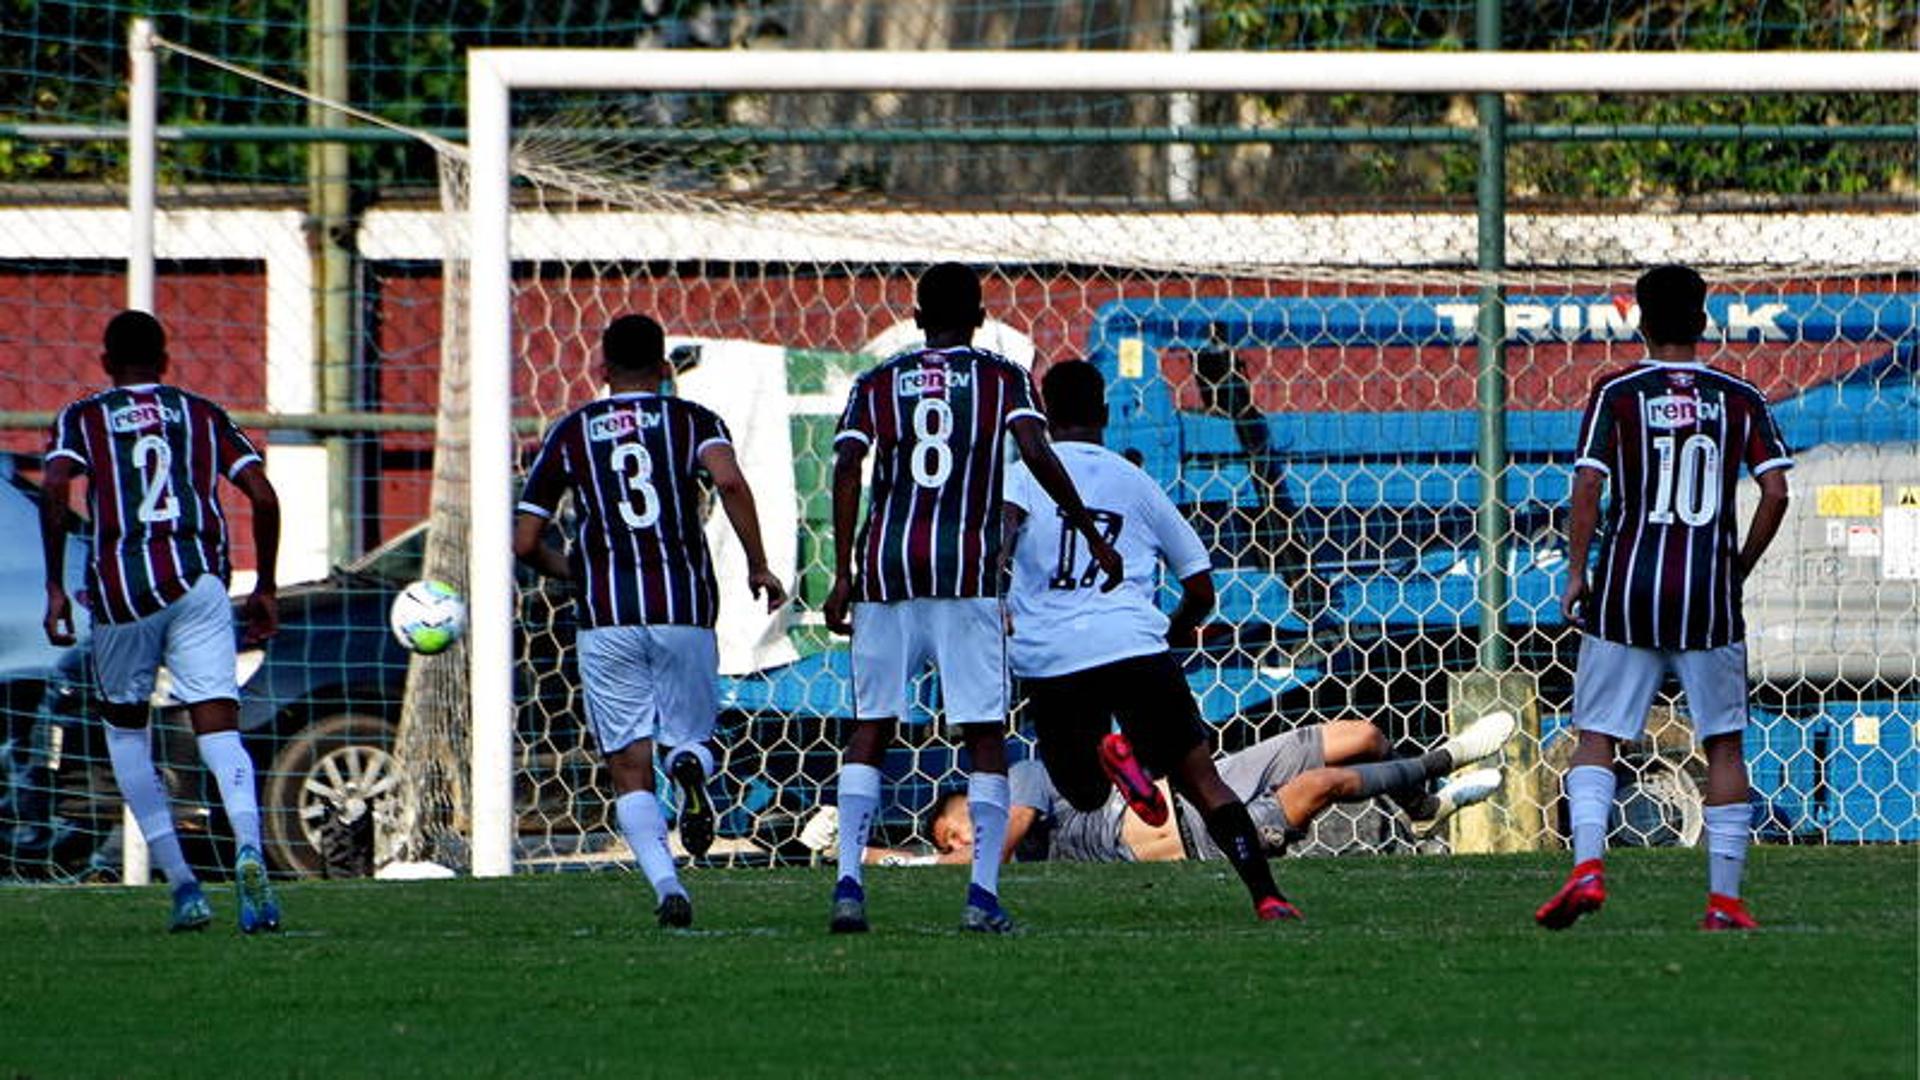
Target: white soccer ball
{"x": 428, "y": 616}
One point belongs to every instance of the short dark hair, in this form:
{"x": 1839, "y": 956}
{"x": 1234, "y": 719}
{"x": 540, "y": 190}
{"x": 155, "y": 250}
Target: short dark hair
{"x": 1075, "y": 395}
{"x": 1673, "y": 305}
{"x": 948, "y": 297}
{"x": 941, "y": 803}
{"x": 634, "y": 343}
{"x": 134, "y": 339}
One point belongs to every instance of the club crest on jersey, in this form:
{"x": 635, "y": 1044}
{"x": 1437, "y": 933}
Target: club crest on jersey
{"x": 1677, "y": 411}
{"x": 931, "y": 381}
{"x": 141, "y": 416}
{"x": 613, "y": 425}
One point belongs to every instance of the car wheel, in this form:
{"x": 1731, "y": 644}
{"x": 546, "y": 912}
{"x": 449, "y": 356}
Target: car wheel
{"x": 341, "y": 765}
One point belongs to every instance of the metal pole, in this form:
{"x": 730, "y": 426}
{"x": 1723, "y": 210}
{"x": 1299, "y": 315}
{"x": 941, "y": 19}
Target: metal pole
{"x": 1491, "y": 346}
{"x": 1182, "y": 108}
{"x": 143, "y": 165}
{"x": 330, "y": 231}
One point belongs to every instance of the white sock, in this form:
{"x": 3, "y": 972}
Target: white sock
{"x": 1729, "y": 827}
{"x": 859, "y": 803}
{"x": 1589, "y": 804}
{"x": 232, "y": 769}
{"x": 140, "y": 785}
{"x": 987, "y": 799}
{"x": 700, "y": 753}
{"x": 645, "y": 828}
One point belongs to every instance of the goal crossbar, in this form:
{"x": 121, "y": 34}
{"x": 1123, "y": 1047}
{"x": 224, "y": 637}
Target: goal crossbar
{"x": 494, "y": 74}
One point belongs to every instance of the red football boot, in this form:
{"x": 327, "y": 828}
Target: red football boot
{"x": 1727, "y": 913}
{"x": 1584, "y": 892}
{"x": 1142, "y": 794}
{"x": 1276, "y": 909}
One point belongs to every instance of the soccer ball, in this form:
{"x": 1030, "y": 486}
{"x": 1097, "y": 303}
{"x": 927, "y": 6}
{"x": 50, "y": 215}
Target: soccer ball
{"x": 428, "y": 616}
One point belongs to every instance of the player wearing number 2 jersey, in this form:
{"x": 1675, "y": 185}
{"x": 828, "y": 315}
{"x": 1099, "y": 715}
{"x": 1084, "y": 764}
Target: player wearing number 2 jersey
{"x": 922, "y": 577}
{"x": 646, "y": 594}
{"x": 1667, "y": 439}
{"x": 153, "y": 456}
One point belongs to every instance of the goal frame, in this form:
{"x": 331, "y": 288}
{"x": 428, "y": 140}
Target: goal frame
{"x": 493, "y": 75}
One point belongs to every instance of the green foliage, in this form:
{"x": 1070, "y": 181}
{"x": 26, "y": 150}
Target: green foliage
{"x": 1405, "y": 967}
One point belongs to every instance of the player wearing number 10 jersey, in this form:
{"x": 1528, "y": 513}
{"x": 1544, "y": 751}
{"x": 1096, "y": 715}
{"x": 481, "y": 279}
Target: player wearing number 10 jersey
{"x": 925, "y": 584}
{"x": 646, "y": 594}
{"x": 153, "y": 456}
{"x": 1666, "y": 438}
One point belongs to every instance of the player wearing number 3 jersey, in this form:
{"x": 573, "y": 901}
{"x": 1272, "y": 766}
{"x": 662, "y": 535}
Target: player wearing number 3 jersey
{"x": 644, "y": 585}
{"x": 1666, "y": 438}
{"x": 920, "y": 582}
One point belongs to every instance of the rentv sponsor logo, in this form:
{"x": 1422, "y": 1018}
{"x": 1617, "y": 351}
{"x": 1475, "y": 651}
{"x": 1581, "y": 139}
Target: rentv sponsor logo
{"x": 932, "y": 381}
{"x": 1674, "y": 411}
{"x": 614, "y": 425}
{"x": 142, "y": 416}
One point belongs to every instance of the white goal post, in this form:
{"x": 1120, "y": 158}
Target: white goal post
{"x": 494, "y": 75}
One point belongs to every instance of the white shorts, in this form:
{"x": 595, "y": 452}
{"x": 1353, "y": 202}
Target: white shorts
{"x": 649, "y": 682}
{"x": 964, "y": 638}
{"x": 193, "y": 637}
{"x": 1614, "y": 686}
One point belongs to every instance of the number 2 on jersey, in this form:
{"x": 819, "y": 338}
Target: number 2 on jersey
{"x": 1065, "y": 572}
{"x": 153, "y": 460}
{"x": 632, "y": 461}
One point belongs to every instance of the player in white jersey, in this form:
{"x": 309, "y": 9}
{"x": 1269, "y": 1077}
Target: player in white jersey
{"x": 1087, "y": 658}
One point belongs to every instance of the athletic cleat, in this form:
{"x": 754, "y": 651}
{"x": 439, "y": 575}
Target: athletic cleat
{"x": 696, "y": 808}
{"x": 1142, "y": 794}
{"x": 1276, "y": 909}
{"x": 1481, "y": 739}
{"x": 259, "y": 907}
{"x": 1727, "y": 913}
{"x": 190, "y": 908}
{"x": 849, "y": 908}
{"x": 675, "y": 911}
{"x": 1584, "y": 892}
{"x": 1458, "y": 792}
{"x": 984, "y": 915}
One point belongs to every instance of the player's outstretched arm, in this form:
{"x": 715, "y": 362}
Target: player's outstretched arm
{"x": 1196, "y": 603}
{"x": 56, "y": 488}
{"x": 1030, "y": 435}
{"x": 1581, "y": 525}
{"x": 847, "y": 456}
{"x": 530, "y": 547}
{"x": 263, "y": 607}
{"x": 736, "y": 495}
{"x": 1766, "y": 519}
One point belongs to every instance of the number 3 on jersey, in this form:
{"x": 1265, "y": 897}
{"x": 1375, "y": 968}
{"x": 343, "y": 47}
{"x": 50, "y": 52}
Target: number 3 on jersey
{"x": 632, "y": 461}
{"x": 932, "y": 460}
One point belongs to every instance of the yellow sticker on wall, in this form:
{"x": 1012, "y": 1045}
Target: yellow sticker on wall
{"x": 1133, "y": 358}
{"x": 1849, "y": 500}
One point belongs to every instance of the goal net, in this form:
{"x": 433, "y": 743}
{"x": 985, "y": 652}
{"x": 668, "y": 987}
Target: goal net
{"x": 1305, "y": 386}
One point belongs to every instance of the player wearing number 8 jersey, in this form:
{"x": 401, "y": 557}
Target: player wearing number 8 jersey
{"x": 921, "y": 582}
{"x": 1666, "y": 439}
{"x": 645, "y": 589}
{"x": 153, "y": 456}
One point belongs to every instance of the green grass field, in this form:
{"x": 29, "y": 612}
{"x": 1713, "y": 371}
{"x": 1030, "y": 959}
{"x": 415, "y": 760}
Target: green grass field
{"x": 1407, "y": 967}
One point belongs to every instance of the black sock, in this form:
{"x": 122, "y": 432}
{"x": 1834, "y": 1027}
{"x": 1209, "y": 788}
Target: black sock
{"x": 1377, "y": 777}
{"x": 1419, "y": 803}
{"x": 1231, "y": 828}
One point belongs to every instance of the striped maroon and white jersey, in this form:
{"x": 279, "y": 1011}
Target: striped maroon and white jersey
{"x": 632, "y": 464}
{"x": 935, "y": 420}
{"x": 154, "y": 455}
{"x": 1671, "y": 438}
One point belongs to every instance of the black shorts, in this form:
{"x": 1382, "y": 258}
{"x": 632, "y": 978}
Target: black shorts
{"x": 1149, "y": 697}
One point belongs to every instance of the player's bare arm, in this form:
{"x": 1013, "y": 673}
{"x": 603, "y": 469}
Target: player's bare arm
{"x": 1766, "y": 519}
{"x": 56, "y": 489}
{"x": 1581, "y": 525}
{"x": 847, "y": 457}
{"x": 530, "y": 547}
{"x": 263, "y": 607}
{"x": 1030, "y": 435}
{"x": 736, "y": 495}
{"x": 1196, "y": 603}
